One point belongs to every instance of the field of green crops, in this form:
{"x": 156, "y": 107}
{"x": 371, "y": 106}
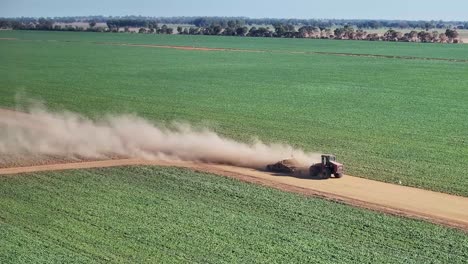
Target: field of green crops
{"x": 394, "y": 120}
{"x": 167, "y": 215}
{"x": 267, "y": 44}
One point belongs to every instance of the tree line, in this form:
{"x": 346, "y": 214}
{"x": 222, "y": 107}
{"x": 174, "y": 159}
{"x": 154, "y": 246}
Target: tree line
{"x": 239, "y": 27}
{"x": 203, "y": 22}
{"x": 341, "y": 33}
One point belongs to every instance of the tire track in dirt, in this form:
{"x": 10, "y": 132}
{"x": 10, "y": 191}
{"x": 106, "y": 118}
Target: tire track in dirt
{"x": 439, "y": 208}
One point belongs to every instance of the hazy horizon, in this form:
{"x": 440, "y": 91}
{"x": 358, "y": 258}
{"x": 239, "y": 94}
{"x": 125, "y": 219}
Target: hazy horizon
{"x": 450, "y": 10}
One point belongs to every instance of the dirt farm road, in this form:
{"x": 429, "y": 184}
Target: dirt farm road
{"x": 440, "y": 208}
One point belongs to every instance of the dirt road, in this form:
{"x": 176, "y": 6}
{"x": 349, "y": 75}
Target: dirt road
{"x": 431, "y": 206}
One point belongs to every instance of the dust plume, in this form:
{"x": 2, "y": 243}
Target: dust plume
{"x": 39, "y": 132}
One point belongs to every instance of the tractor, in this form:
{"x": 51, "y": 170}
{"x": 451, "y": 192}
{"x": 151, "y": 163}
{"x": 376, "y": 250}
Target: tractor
{"x": 327, "y": 168}
{"x": 324, "y": 170}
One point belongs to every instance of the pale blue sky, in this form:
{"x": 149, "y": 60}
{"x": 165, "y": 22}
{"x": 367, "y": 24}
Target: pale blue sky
{"x": 372, "y": 9}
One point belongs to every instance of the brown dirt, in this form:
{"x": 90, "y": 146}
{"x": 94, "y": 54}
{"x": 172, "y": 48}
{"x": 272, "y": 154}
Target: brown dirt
{"x": 440, "y": 208}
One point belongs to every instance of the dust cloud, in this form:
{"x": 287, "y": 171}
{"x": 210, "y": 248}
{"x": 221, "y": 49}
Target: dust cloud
{"x": 39, "y": 132}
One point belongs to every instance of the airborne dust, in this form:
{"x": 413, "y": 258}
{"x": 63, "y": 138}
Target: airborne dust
{"x": 39, "y": 132}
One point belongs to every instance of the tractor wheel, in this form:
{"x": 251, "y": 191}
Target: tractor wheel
{"x": 314, "y": 171}
{"x": 326, "y": 174}
{"x": 338, "y": 175}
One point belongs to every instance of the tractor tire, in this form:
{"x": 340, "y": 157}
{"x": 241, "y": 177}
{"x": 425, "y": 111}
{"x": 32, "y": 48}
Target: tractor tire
{"x": 326, "y": 174}
{"x": 315, "y": 171}
{"x": 338, "y": 175}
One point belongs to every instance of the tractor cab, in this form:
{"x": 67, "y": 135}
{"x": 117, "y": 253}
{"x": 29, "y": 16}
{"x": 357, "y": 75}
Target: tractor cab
{"x": 327, "y": 158}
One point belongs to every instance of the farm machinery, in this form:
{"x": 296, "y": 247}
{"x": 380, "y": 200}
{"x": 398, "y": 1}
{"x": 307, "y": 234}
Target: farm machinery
{"x": 324, "y": 170}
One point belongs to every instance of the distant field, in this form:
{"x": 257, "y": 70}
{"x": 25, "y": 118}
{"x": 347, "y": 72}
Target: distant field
{"x": 427, "y": 50}
{"x": 395, "y": 120}
{"x": 171, "y": 215}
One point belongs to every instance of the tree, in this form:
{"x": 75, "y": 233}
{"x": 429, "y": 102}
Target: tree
{"x": 229, "y": 31}
{"x": 153, "y": 25}
{"x": 392, "y": 35}
{"x": 425, "y": 36}
{"x": 216, "y": 30}
{"x": 179, "y": 29}
{"x": 413, "y": 36}
{"x": 279, "y": 29}
{"x": 231, "y": 24}
{"x": 163, "y": 29}
{"x": 194, "y": 31}
{"x": 403, "y": 24}
{"x": 290, "y": 28}
{"x": 428, "y": 25}
{"x": 360, "y": 35}
{"x": 45, "y": 24}
{"x": 443, "y": 38}
{"x": 260, "y": 32}
{"x": 241, "y": 31}
{"x": 92, "y": 24}
{"x": 309, "y": 32}
{"x": 435, "y": 36}
{"x": 5, "y": 23}
{"x": 339, "y": 33}
{"x": 375, "y": 24}
{"x": 113, "y": 25}
{"x": 373, "y": 37}
{"x": 201, "y": 22}
{"x": 252, "y": 32}
{"x": 327, "y": 34}
{"x": 451, "y": 33}
{"x": 349, "y": 32}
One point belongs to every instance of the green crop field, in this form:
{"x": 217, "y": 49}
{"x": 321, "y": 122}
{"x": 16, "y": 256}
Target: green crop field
{"x": 162, "y": 215}
{"x": 394, "y": 120}
{"x": 389, "y": 119}
{"x": 424, "y": 50}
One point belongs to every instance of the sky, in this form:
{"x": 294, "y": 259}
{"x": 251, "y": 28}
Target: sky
{"x": 357, "y": 9}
